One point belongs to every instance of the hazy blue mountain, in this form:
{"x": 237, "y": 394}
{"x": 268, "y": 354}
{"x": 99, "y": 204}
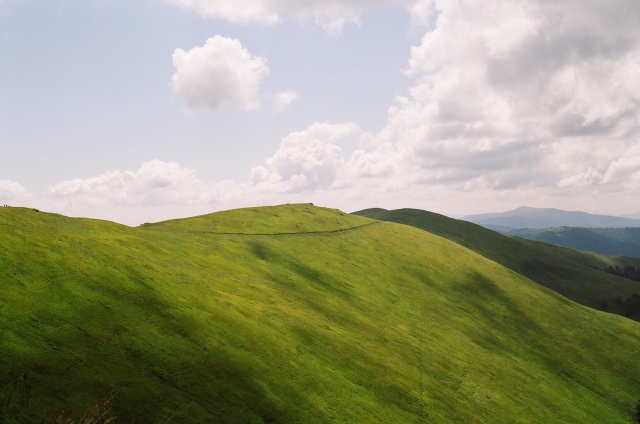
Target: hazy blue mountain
{"x": 633, "y": 215}
{"x": 526, "y": 217}
{"x": 608, "y": 241}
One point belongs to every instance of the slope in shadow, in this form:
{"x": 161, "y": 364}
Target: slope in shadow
{"x": 607, "y": 241}
{"x": 580, "y": 283}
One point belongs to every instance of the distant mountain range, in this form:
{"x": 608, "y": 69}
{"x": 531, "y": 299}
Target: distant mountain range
{"x": 633, "y": 216}
{"x": 526, "y": 217}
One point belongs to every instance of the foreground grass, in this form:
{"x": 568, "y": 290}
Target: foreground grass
{"x": 366, "y": 322}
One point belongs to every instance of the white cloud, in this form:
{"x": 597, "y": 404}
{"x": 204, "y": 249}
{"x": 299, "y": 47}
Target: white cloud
{"x": 222, "y": 73}
{"x": 584, "y": 179}
{"x": 155, "y": 183}
{"x": 517, "y": 94}
{"x": 306, "y": 160}
{"x": 331, "y": 15}
{"x": 508, "y": 95}
{"x": 238, "y": 11}
{"x": 284, "y": 98}
{"x": 10, "y": 190}
{"x": 625, "y": 171}
{"x": 513, "y": 102}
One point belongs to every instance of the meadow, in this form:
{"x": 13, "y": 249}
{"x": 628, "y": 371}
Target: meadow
{"x": 293, "y": 314}
{"x": 577, "y": 275}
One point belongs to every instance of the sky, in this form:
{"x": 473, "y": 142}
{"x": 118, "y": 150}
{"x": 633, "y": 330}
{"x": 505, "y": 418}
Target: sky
{"x": 156, "y": 109}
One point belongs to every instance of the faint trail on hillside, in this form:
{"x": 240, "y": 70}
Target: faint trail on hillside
{"x": 342, "y": 230}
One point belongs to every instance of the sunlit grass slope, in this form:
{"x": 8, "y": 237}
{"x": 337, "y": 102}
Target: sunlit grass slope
{"x": 265, "y": 220}
{"x": 377, "y": 323}
{"x": 566, "y": 271}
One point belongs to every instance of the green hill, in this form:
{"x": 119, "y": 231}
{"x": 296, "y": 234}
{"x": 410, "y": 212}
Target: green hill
{"x": 577, "y": 275}
{"x": 292, "y": 314}
{"x": 589, "y": 259}
{"x": 607, "y": 241}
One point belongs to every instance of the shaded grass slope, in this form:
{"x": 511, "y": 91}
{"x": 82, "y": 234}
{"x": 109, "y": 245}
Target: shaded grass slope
{"x": 590, "y": 259}
{"x": 607, "y": 241}
{"x": 366, "y": 322}
{"x": 576, "y": 275}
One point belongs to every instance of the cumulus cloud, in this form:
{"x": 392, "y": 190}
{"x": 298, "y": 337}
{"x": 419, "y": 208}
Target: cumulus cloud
{"x": 155, "y": 183}
{"x": 507, "y": 95}
{"x": 306, "y": 160}
{"x": 284, "y": 98}
{"x": 331, "y": 15}
{"x": 10, "y": 190}
{"x": 625, "y": 171}
{"x": 222, "y": 73}
{"x": 513, "y": 102}
{"x": 517, "y": 94}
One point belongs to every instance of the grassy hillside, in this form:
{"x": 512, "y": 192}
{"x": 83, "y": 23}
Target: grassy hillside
{"x": 265, "y": 221}
{"x": 607, "y": 241}
{"x": 590, "y": 259}
{"x": 568, "y": 272}
{"x": 366, "y": 322}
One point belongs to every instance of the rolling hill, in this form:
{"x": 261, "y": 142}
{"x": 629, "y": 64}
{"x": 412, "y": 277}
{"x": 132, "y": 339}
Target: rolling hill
{"x": 608, "y": 241}
{"x": 525, "y": 217}
{"x": 292, "y": 314}
{"x": 577, "y": 275}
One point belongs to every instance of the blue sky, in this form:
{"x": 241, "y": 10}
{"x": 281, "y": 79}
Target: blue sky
{"x": 443, "y": 105}
{"x": 86, "y": 87}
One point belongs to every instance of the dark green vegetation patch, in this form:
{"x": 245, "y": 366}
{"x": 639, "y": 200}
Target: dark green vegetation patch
{"x": 586, "y": 278}
{"x": 293, "y": 314}
{"x": 608, "y": 241}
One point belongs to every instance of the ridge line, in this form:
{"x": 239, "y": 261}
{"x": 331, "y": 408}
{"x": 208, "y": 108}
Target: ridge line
{"x": 342, "y": 230}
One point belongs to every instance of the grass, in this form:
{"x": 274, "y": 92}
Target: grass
{"x": 293, "y": 314}
{"x": 589, "y": 259}
{"x": 608, "y": 241}
{"x": 566, "y": 271}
